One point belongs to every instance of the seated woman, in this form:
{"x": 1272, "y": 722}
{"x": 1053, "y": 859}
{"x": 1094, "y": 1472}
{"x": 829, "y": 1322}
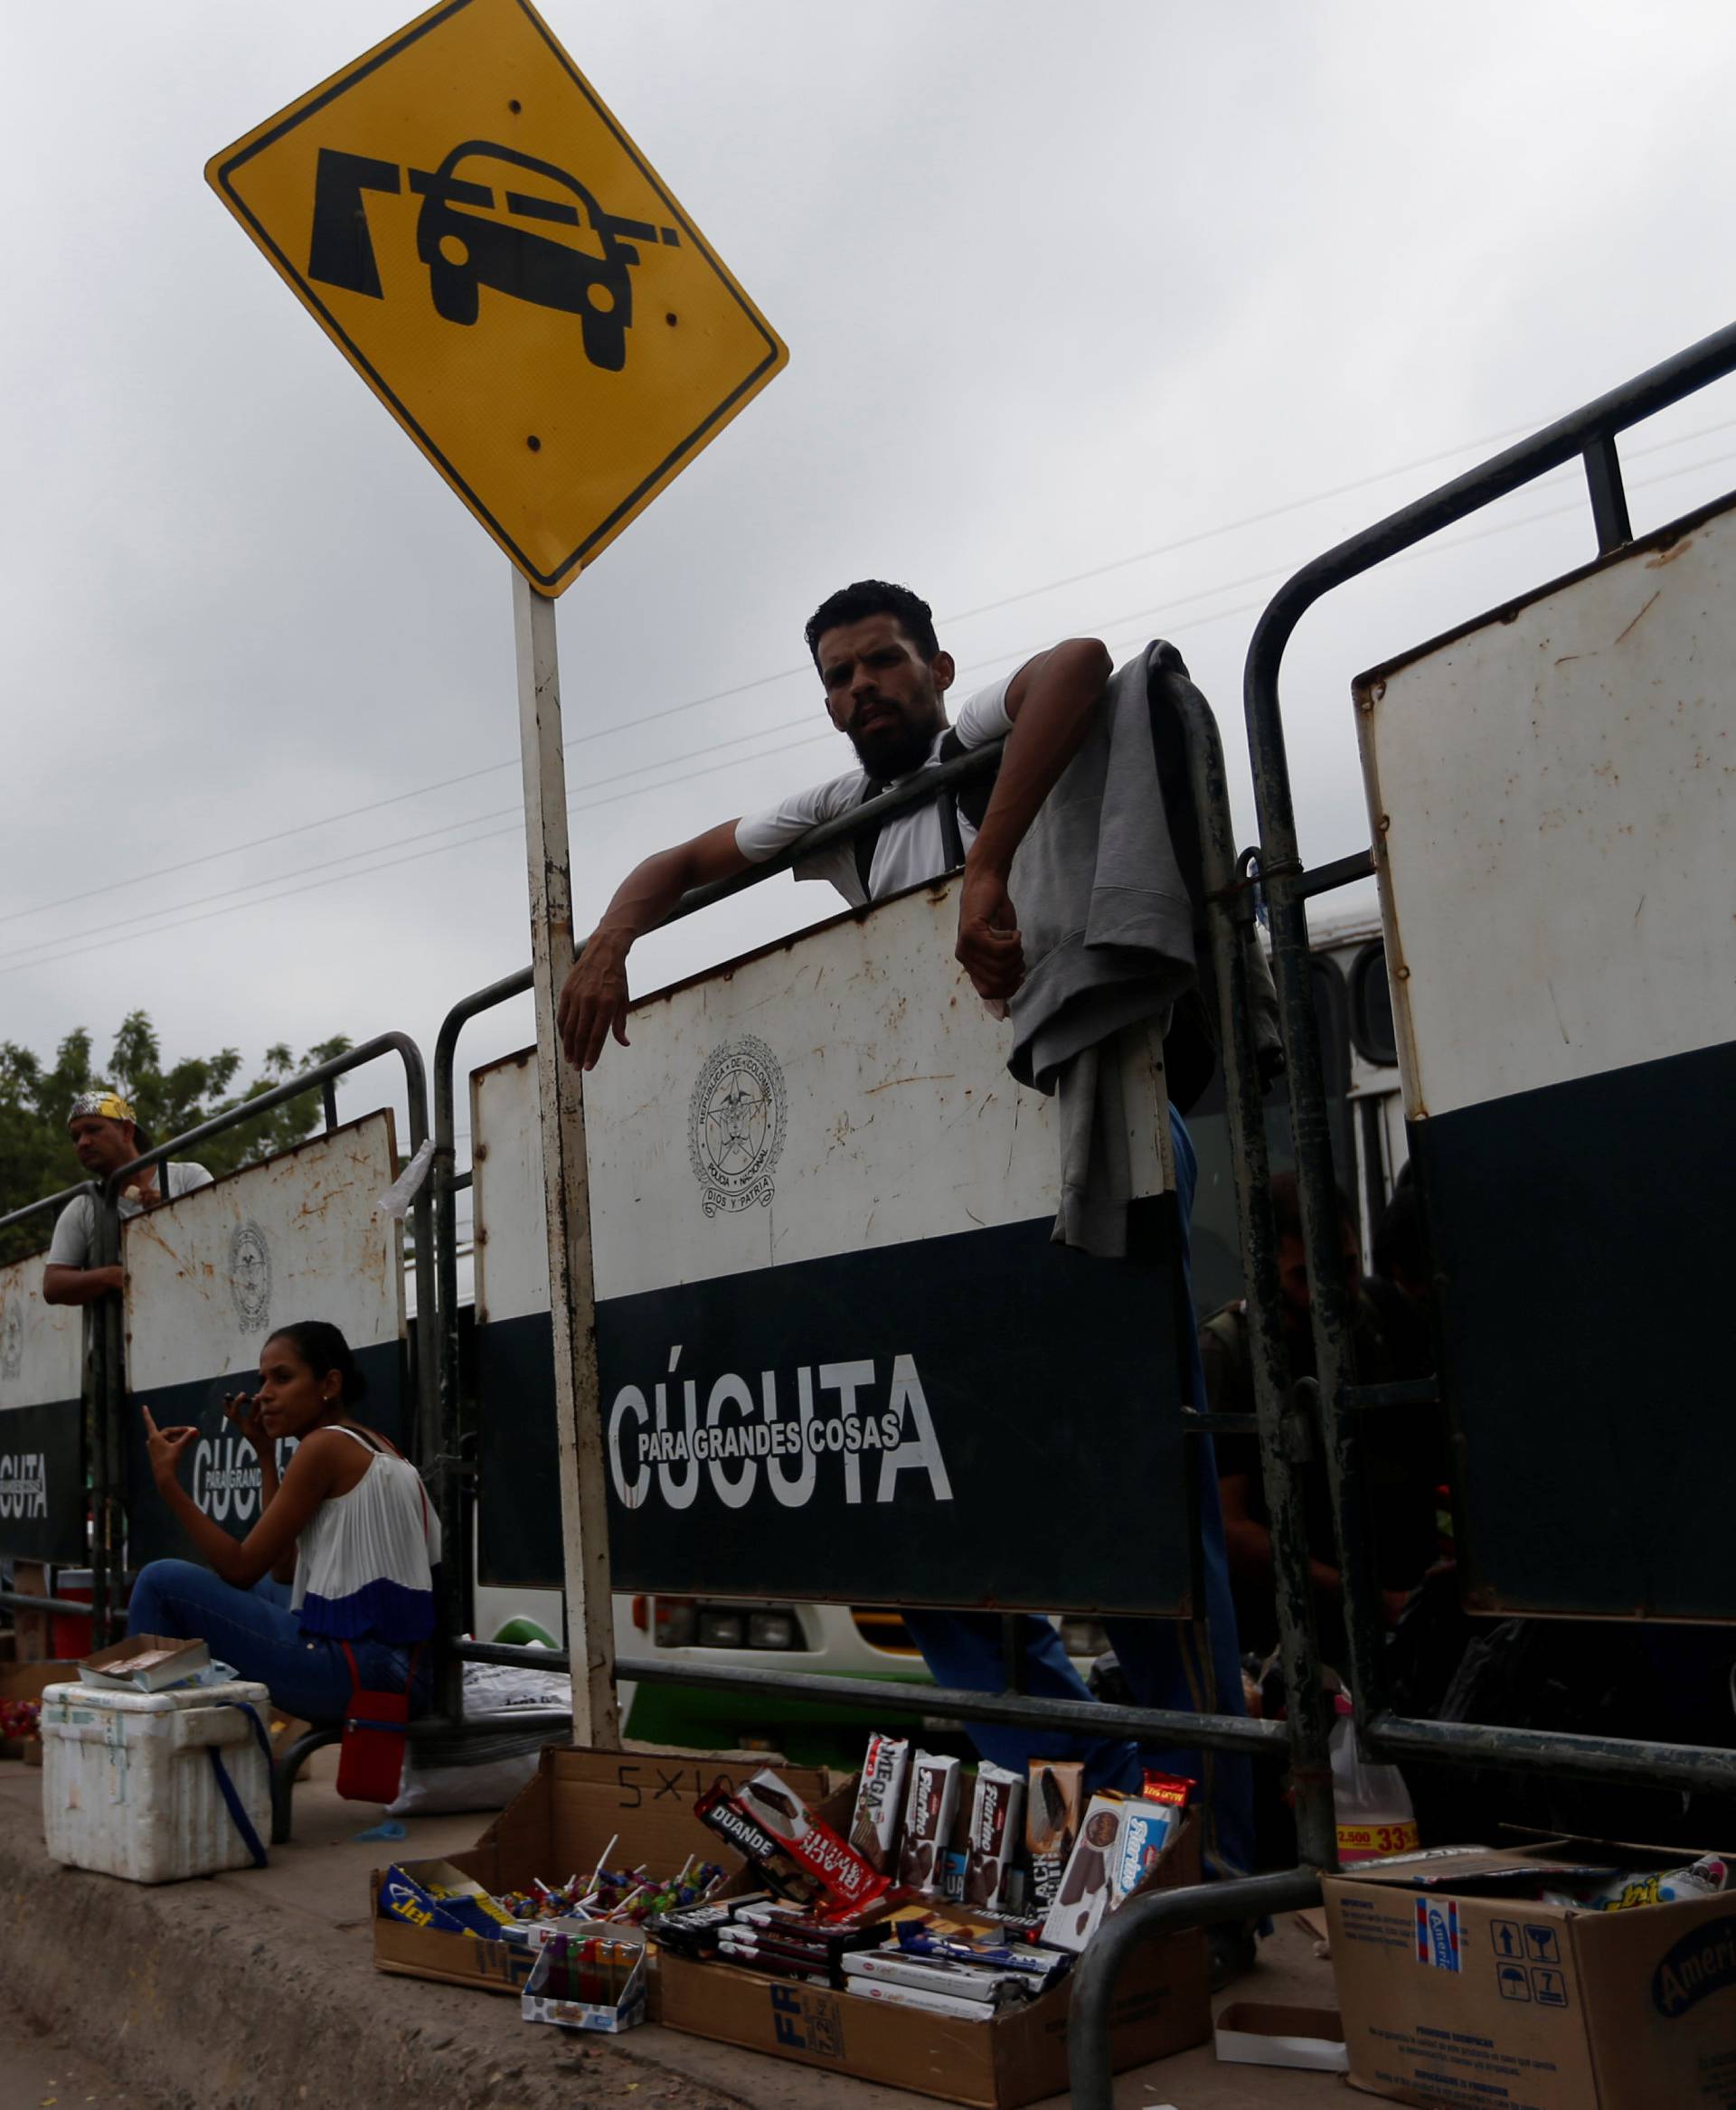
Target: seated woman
{"x": 349, "y": 1524}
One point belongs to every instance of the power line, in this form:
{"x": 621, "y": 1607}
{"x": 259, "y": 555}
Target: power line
{"x": 786, "y": 674}
{"x": 389, "y": 864}
{"x": 349, "y": 857}
{"x": 48, "y": 949}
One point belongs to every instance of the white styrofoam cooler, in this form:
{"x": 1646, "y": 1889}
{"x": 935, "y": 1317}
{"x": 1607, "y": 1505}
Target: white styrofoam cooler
{"x": 128, "y": 1787}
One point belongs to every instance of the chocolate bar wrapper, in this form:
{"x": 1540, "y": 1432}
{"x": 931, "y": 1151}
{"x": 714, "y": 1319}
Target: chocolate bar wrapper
{"x": 744, "y": 1948}
{"x": 841, "y": 1872}
{"x": 1088, "y": 1887}
{"x": 475, "y": 1912}
{"x": 831, "y": 1934}
{"x": 909, "y": 1996}
{"x": 879, "y": 1802}
{"x": 1147, "y": 1828}
{"x": 1051, "y": 1824}
{"x": 929, "y": 1813}
{"x": 806, "y": 1973}
{"x": 814, "y": 1945}
{"x": 737, "y": 1826}
{"x": 1704, "y": 1878}
{"x": 997, "y": 1803}
{"x": 1037, "y": 1968}
{"x": 401, "y": 1896}
{"x": 1173, "y": 1788}
{"x": 694, "y": 1930}
{"x": 963, "y": 1981}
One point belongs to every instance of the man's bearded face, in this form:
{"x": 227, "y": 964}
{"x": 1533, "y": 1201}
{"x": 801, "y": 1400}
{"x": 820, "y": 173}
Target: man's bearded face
{"x": 882, "y": 694}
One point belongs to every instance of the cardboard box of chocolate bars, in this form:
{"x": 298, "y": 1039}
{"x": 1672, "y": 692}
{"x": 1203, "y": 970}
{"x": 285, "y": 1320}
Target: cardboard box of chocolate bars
{"x": 1463, "y": 1993}
{"x": 1162, "y": 2005}
{"x": 557, "y": 1826}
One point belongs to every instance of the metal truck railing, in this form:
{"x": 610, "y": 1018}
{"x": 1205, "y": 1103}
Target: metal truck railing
{"x": 1281, "y": 1419}
{"x": 1588, "y": 435}
{"x": 105, "y": 1359}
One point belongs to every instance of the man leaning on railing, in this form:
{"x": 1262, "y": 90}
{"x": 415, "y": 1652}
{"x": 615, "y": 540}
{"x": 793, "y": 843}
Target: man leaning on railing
{"x": 105, "y": 1135}
{"x": 884, "y": 680}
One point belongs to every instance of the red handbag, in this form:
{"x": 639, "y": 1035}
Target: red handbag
{"x": 376, "y": 1731}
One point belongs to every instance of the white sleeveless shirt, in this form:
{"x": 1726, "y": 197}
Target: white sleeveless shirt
{"x": 364, "y": 1560}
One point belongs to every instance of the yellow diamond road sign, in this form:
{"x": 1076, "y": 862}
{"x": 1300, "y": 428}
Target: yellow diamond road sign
{"x": 489, "y": 249}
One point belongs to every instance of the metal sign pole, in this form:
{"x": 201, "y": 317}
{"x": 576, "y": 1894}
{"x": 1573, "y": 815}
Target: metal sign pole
{"x": 565, "y": 1182}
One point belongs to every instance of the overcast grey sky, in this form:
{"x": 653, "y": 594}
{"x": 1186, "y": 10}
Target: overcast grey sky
{"x": 1060, "y": 287}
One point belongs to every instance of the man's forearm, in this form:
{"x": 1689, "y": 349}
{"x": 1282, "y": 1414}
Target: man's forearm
{"x": 646, "y": 896}
{"x": 79, "y": 1285}
{"x": 594, "y": 996}
{"x": 1055, "y": 715}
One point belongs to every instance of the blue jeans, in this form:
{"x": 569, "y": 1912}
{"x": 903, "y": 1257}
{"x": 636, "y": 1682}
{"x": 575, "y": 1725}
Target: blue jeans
{"x": 255, "y": 1630}
{"x": 1191, "y": 1667}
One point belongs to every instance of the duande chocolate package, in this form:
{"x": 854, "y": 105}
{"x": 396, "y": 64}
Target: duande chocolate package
{"x": 843, "y": 1874}
{"x": 723, "y": 1812}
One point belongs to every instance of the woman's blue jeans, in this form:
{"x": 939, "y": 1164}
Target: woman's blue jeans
{"x": 257, "y": 1632}
{"x": 1168, "y": 1664}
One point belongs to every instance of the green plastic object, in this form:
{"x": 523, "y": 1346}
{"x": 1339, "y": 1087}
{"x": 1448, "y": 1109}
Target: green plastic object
{"x": 524, "y": 1633}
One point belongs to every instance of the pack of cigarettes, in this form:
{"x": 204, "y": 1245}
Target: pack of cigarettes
{"x": 1051, "y": 1824}
{"x": 879, "y": 1802}
{"x": 929, "y": 1810}
{"x": 836, "y": 1866}
{"x": 1086, "y": 1889}
{"x": 997, "y": 1803}
{"x": 910, "y": 1996}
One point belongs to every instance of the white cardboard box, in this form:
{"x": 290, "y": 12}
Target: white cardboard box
{"x": 1255, "y": 2034}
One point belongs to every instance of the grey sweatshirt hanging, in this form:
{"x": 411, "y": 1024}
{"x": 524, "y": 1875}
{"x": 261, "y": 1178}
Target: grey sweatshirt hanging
{"x": 1108, "y": 944}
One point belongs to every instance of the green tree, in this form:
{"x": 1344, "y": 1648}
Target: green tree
{"x": 36, "y": 1159}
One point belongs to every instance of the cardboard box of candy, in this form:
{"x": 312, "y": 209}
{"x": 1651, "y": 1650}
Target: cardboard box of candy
{"x": 912, "y": 1929}
{"x": 586, "y": 1812}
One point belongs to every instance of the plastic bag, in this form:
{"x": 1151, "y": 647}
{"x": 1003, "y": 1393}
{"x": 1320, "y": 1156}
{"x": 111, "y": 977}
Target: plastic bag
{"x": 1371, "y": 1802}
{"x": 396, "y": 1200}
{"x": 486, "y": 1767}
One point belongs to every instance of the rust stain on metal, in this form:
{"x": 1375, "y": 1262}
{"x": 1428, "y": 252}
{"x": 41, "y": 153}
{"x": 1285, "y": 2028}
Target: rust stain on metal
{"x": 1669, "y": 553}
{"x": 141, "y": 1226}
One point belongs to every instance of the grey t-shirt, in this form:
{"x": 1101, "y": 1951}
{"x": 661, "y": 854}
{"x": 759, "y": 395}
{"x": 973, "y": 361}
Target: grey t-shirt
{"x": 75, "y": 1228}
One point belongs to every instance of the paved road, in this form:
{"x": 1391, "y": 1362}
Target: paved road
{"x": 37, "y": 2069}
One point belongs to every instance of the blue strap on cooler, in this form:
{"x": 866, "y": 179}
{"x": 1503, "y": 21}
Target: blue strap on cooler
{"x": 226, "y": 1786}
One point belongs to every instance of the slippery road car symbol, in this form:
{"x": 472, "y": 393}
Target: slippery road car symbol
{"x": 477, "y": 228}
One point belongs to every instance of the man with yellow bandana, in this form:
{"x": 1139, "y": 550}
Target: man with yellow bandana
{"x": 105, "y": 1135}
